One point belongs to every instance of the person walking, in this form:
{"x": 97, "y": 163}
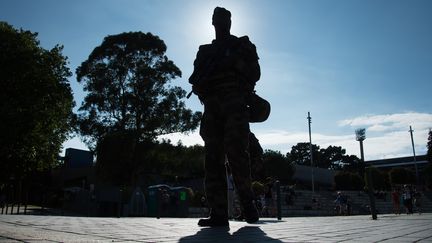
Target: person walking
{"x": 418, "y": 201}
{"x": 396, "y": 201}
{"x": 407, "y": 199}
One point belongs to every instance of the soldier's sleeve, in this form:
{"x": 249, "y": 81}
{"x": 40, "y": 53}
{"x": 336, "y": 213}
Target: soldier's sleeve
{"x": 251, "y": 58}
{"x": 194, "y": 74}
{"x": 198, "y": 64}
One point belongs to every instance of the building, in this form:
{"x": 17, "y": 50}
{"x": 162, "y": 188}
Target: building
{"x": 322, "y": 177}
{"x": 401, "y": 162}
{"x": 77, "y": 170}
{"x": 77, "y": 158}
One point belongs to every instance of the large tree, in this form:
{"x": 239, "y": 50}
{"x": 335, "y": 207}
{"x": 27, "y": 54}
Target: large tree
{"x": 332, "y": 157}
{"x": 401, "y": 176}
{"x": 352, "y": 163}
{"x": 300, "y": 154}
{"x": 35, "y": 103}
{"x": 127, "y": 80}
{"x": 345, "y": 180}
{"x": 125, "y": 162}
{"x": 429, "y": 147}
{"x": 427, "y": 172}
{"x": 335, "y": 158}
{"x": 277, "y": 165}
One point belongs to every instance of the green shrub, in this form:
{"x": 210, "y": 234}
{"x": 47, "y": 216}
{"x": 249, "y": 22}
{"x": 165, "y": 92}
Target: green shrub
{"x": 348, "y": 181}
{"x": 401, "y": 176}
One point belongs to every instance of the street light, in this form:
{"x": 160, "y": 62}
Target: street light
{"x": 361, "y": 136}
{"x": 415, "y": 160}
{"x": 310, "y": 151}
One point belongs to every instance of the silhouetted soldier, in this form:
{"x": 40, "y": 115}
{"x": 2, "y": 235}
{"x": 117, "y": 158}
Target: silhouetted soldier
{"x": 256, "y": 159}
{"x": 224, "y": 77}
{"x": 257, "y": 174}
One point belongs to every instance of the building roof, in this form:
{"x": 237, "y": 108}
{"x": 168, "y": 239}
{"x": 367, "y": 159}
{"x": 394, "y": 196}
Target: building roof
{"x": 398, "y": 162}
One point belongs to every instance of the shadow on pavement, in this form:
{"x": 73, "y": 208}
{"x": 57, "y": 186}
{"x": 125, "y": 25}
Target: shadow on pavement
{"x": 244, "y": 234}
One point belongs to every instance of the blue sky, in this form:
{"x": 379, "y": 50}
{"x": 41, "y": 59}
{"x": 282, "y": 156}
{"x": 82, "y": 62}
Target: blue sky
{"x": 352, "y": 64}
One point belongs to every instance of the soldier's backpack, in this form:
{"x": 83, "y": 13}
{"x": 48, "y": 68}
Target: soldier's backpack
{"x": 259, "y": 108}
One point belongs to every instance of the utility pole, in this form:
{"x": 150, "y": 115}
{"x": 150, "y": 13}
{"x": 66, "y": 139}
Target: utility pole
{"x": 415, "y": 159}
{"x": 310, "y": 149}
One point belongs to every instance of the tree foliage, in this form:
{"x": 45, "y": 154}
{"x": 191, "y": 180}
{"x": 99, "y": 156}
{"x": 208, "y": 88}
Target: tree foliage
{"x": 429, "y": 148}
{"x": 300, "y": 154}
{"x": 128, "y": 79}
{"x": 332, "y": 157}
{"x": 379, "y": 178}
{"x": 115, "y": 159}
{"x": 171, "y": 161}
{"x": 401, "y": 176}
{"x": 427, "y": 172}
{"x": 35, "y": 102}
{"x": 121, "y": 161}
{"x": 277, "y": 165}
{"x": 345, "y": 180}
{"x": 352, "y": 163}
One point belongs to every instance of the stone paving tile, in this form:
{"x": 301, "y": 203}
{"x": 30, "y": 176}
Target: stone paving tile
{"x": 425, "y": 240}
{"x": 388, "y": 228}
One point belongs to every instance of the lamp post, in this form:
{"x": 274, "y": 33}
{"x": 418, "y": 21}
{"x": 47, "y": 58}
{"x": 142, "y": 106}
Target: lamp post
{"x": 310, "y": 150}
{"x": 361, "y": 136}
{"x": 415, "y": 160}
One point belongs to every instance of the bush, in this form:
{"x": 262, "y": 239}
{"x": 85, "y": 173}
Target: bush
{"x": 427, "y": 174}
{"x": 379, "y": 179}
{"x": 196, "y": 199}
{"x": 401, "y": 176}
{"x": 258, "y": 188}
{"x": 348, "y": 181}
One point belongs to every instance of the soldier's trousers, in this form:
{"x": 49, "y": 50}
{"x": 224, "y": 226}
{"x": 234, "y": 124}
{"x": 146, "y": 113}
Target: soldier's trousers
{"x": 256, "y": 159}
{"x": 225, "y": 131}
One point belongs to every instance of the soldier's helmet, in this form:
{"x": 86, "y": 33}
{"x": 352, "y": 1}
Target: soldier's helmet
{"x": 221, "y": 17}
{"x": 259, "y": 109}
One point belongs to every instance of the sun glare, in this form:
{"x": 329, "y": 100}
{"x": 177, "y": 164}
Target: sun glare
{"x": 200, "y": 26}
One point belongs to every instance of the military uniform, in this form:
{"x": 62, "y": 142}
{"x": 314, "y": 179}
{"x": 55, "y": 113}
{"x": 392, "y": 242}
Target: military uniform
{"x": 224, "y": 76}
{"x": 256, "y": 159}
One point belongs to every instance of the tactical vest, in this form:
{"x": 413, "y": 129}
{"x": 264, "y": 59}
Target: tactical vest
{"x": 230, "y": 65}
{"x": 225, "y": 65}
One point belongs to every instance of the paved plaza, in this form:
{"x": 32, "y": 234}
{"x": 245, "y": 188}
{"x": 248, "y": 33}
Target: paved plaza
{"x": 388, "y": 228}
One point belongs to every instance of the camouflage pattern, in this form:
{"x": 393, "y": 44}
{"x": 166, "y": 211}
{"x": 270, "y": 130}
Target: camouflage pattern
{"x": 225, "y": 73}
{"x": 256, "y": 159}
{"x": 225, "y": 130}
{"x": 231, "y": 64}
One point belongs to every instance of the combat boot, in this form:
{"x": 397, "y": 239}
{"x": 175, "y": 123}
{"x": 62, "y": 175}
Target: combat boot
{"x": 250, "y": 213}
{"x": 214, "y": 220}
{"x": 239, "y": 217}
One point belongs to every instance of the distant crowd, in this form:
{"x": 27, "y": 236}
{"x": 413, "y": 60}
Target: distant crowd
{"x": 408, "y": 197}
